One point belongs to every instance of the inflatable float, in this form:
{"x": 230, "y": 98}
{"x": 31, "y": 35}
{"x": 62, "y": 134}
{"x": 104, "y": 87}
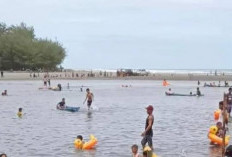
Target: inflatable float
{"x": 69, "y": 108}
{"x": 45, "y": 88}
{"x": 217, "y": 114}
{"x": 211, "y": 85}
{"x": 150, "y": 153}
{"x": 87, "y": 145}
{"x": 214, "y": 138}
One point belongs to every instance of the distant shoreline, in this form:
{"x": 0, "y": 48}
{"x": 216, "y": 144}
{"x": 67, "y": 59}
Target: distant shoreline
{"x": 97, "y": 75}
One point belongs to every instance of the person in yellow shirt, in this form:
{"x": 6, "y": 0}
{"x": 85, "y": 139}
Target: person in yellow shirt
{"x": 20, "y": 112}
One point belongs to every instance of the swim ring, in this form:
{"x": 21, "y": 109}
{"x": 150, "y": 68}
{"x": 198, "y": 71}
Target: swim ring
{"x": 214, "y": 138}
{"x": 149, "y": 151}
{"x": 87, "y": 145}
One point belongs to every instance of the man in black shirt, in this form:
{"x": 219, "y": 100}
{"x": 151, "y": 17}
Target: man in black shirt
{"x": 148, "y": 133}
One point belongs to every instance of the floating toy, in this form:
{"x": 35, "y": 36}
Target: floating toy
{"x": 214, "y": 138}
{"x": 149, "y": 152}
{"x": 85, "y": 145}
{"x": 217, "y": 114}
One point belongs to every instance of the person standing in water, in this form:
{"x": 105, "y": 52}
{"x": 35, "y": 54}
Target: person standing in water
{"x": 229, "y": 101}
{"x": 89, "y": 98}
{"x": 198, "y": 91}
{"x": 148, "y": 133}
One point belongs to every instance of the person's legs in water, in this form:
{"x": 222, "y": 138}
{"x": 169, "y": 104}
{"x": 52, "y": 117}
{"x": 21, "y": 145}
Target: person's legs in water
{"x": 89, "y": 102}
{"x": 144, "y": 141}
{"x": 229, "y": 109}
{"x": 147, "y": 139}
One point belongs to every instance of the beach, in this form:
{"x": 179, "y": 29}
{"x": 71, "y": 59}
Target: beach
{"x": 112, "y": 75}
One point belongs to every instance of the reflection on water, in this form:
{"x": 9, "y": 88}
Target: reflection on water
{"x": 215, "y": 151}
{"x": 89, "y": 114}
{"x": 117, "y": 120}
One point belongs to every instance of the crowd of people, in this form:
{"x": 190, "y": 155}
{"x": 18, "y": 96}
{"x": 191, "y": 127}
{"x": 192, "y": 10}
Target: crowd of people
{"x": 222, "y": 116}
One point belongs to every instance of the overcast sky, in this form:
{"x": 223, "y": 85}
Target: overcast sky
{"x": 112, "y": 34}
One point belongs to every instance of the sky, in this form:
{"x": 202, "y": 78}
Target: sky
{"x": 137, "y": 34}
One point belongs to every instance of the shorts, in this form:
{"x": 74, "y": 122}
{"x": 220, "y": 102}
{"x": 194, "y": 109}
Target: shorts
{"x": 89, "y": 102}
{"x": 229, "y": 108}
{"x": 147, "y": 139}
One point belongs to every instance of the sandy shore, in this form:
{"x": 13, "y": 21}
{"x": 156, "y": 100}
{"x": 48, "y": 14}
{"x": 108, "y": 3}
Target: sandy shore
{"x": 97, "y": 75}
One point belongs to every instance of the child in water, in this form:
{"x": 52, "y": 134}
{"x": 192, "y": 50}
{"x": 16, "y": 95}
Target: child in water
{"x": 79, "y": 142}
{"x": 3, "y": 155}
{"x": 220, "y": 131}
{"x": 134, "y": 149}
{"x": 20, "y": 113}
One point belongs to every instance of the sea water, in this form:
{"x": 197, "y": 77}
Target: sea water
{"x": 117, "y": 120}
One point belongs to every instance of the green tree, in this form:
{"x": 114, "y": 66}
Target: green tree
{"x": 19, "y": 49}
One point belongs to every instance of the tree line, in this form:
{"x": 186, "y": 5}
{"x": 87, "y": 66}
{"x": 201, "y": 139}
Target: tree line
{"x": 21, "y": 50}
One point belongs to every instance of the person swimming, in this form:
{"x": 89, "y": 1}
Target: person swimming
{"x": 134, "y": 150}
{"x": 4, "y": 93}
{"x": 79, "y": 141}
{"x": 20, "y": 113}
{"x": 61, "y": 105}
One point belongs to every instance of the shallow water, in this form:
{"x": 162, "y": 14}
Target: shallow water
{"x": 180, "y": 127}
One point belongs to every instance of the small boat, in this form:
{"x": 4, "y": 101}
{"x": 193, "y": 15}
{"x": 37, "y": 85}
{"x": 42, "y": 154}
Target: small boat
{"x": 44, "y": 88}
{"x": 70, "y": 109}
{"x": 210, "y": 85}
{"x": 176, "y": 94}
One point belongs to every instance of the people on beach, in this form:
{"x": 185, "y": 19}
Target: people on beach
{"x": 198, "y": 91}
{"x": 229, "y": 101}
{"x": 148, "y": 133}
{"x": 198, "y": 82}
{"x": 134, "y": 150}
{"x": 4, "y": 93}
{"x": 1, "y": 73}
{"x": 20, "y": 112}
{"x": 89, "y": 98}
{"x": 61, "y": 105}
